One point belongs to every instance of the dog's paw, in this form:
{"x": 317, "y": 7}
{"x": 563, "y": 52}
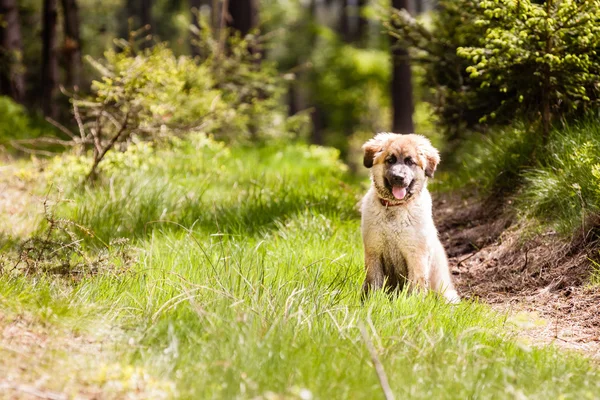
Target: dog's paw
{"x": 452, "y": 297}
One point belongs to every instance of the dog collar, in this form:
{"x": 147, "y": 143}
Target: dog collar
{"x": 387, "y": 204}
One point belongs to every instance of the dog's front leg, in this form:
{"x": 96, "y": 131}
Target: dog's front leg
{"x": 418, "y": 265}
{"x": 374, "y": 269}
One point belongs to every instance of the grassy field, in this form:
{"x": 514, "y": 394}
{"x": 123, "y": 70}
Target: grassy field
{"x": 241, "y": 279}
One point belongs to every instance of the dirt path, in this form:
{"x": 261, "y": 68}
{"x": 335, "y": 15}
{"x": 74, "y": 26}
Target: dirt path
{"x": 541, "y": 281}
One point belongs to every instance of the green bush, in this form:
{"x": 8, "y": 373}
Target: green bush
{"x": 153, "y": 95}
{"x": 458, "y": 100}
{"x": 493, "y": 61}
{"x": 543, "y": 55}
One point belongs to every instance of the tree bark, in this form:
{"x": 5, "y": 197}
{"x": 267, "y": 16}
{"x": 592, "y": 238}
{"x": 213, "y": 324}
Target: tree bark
{"x": 344, "y": 30}
{"x": 243, "y": 15}
{"x": 146, "y": 14}
{"x": 49, "y": 60}
{"x": 72, "y": 46}
{"x": 402, "y": 92}
{"x": 11, "y": 52}
{"x": 419, "y": 6}
{"x": 363, "y": 24}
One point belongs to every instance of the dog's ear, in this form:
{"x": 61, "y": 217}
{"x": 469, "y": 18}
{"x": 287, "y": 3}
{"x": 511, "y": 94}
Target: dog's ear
{"x": 374, "y": 146}
{"x": 432, "y": 156}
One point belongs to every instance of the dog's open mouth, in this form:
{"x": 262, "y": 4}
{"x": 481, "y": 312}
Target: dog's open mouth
{"x": 399, "y": 192}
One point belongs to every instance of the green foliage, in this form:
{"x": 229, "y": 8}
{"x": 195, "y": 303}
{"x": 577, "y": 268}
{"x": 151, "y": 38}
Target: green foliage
{"x": 542, "y": 55}
{"x": 349, "y": 87}
{"x": 559, "y": 187}
{"x": 16, "y": 123}
{"x": 492, "y": 61}
{"x": 458, "y": 99}
{"x": 151, "y": 94}
{"x": 563, "y": 190}
{"x": 153, "y": 86}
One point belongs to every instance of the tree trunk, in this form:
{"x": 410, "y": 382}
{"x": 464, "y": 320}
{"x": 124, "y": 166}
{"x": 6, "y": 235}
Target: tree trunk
{"x": 11, "y": 52}
{"x": 194, "y": 6}
{"x": 146, "y": 14}
{"x": 72, "y": 46}
{"x": 345, "y": 29}
{"x": 402, "y": 93}
{"x": 49, "y": 60}
{"x": 363, "y": 24}
{"x": 419, "y": 6}
{"x": 243, "y": 15}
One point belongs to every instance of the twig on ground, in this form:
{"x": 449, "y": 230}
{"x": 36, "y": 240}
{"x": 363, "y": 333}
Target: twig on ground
{"x": 383, "y": 380}
{"x": 467, "y": 258}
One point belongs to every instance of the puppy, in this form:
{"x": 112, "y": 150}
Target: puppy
{"x": 400, "y": 239}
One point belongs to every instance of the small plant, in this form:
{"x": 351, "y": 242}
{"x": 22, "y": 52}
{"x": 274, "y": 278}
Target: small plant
{"x": 58, "y": 250}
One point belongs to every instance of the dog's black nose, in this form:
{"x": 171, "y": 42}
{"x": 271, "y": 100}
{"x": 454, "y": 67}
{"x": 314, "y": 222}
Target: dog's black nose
{"x": 397, "y": 180}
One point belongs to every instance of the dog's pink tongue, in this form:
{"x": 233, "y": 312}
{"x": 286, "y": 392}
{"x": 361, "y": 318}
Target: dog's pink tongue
{"x": 399, "y": 192}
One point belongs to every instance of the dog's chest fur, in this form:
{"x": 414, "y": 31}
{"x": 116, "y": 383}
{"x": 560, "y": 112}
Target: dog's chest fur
{"x": 397, "y": 230}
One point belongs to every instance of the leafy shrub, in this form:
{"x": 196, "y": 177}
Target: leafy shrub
{"x": 458, "y": 100}
{"x": 152, "y": 95}
{"x": 543, "y": 55}
{"x": 519, "y": 59}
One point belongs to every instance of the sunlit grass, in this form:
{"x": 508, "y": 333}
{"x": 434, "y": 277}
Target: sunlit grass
{"x": 247, "y": 285}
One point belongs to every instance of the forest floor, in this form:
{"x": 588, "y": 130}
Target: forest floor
{"x": 541, "y": 280}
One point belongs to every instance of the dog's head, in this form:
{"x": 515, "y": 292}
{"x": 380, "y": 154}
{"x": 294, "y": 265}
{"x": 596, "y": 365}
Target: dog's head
{"x": 400, "y": 164}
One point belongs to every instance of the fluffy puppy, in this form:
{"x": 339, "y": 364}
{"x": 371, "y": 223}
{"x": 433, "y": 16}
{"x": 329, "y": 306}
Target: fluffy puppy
{"x": 400, "y": 239}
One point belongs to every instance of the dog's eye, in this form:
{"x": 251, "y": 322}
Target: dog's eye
{"x": 409, "y": 161}
{"x": 391, "y": 160}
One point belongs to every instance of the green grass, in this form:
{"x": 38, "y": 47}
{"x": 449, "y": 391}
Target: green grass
{"x": 247, "y": 285}
{"x": 563, "y": 189}
{"x": 556, "y": 185}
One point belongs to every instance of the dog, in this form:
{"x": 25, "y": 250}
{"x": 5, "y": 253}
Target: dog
{"x": 400, "y": 239}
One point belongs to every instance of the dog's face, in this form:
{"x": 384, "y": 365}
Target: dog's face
{"x": 400, "y": 164}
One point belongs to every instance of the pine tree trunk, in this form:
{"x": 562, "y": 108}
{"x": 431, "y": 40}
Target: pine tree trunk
{"x": 363, "y": 24}
{"x": 402, "y": 93}
{"x": 344, "y": 30}
{"x": 11, "y": 52}
{"x": 243, "y": 15}
{"x": 49, "y": 60}
{"x": 146, "y": 14}
{"x": 72, "y": 46}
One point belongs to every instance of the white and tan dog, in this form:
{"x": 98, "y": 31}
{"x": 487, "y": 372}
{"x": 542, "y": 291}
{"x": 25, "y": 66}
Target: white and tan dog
{"x": 400, "y": 239}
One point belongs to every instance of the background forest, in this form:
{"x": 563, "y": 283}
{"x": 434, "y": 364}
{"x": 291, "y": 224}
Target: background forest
{"x": 178, "y": 190}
